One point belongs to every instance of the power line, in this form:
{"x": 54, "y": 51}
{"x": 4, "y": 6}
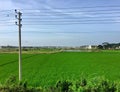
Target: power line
{"x": 7, "y": 9}
{"x": 7, "y": 20}
{"x": 72, "y": 11}
{"x": 55, "y": 12}
{"x": 72, "y": 14}
{"x": 69, "y": 12}
{"x": 52, "y": 24}
{"x": 72, "y": 17}
{"x": 113, "y": 6}
{"x": 48, "y": 11}
{"x": 108, "y": 6}
{"x": 107, "y": 19}
{"x": 61, "y": 32}
{"x": 72, "y": 21}
{"x": 7, "y": 25}
{"x": 92, "y": 17}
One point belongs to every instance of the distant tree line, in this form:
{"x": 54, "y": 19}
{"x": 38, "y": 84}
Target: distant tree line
{"x": 104, "y": 45}
{"x": 107, "y": 45}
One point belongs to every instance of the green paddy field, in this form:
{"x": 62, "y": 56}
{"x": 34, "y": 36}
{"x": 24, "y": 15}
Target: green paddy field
{"x": 47, "y": 69}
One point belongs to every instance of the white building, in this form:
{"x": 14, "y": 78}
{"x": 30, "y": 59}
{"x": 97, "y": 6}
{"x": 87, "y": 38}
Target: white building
{"x": 89, "y": 47}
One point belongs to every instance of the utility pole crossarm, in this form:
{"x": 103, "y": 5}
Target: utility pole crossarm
{"x": 18, "y": 16}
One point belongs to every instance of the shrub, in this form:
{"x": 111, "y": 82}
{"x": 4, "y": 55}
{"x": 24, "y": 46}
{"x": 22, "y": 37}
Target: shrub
{"x": 101, "y": 85}
{"x": 11, "y": 85}
{"x": 64, "y": 86}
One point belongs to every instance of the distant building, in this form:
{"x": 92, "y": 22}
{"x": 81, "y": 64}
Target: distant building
{"x": 88, "y": 47}
{"x": 117, "y": 47}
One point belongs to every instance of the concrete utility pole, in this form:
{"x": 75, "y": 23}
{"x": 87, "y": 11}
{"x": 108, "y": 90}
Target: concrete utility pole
{"x": 18, "y": 16}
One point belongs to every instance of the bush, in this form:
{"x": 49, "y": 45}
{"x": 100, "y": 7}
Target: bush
{"x": 64, "y": 86}
{"x": 101, "y": 85}
{"x": 11, "y": 85}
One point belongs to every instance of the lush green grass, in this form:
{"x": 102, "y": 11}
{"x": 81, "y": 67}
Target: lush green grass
{"x": 46, "y": 69}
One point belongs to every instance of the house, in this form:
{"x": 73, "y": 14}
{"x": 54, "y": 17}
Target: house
{"x": 88, "y": 47}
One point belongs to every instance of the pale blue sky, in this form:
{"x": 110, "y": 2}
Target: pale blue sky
{"x": 58, "y": 35}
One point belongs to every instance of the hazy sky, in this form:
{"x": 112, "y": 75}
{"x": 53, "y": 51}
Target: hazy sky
{"x": 58, "y": 34}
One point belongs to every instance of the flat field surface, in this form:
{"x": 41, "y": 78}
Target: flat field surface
{"x": 47, "y": 69}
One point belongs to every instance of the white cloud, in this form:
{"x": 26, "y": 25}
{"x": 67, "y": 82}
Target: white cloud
{"x": 66, "y": 12}
{"x": 6, "y": 5}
